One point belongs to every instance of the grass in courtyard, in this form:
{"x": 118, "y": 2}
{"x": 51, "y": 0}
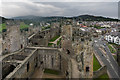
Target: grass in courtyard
{"x": 48, "y": 79}
{"x": 96, "y": 64}
{"x": 50, "y": 44}
{"x": 53, "y": 39}
{"x": 111, "y": 49}
{"x": 50, "y": 71}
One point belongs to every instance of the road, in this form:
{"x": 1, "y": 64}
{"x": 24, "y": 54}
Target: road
{"x": 108, "y": 60}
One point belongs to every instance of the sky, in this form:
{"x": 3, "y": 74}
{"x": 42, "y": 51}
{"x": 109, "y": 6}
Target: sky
{"x": 14, "y": 8}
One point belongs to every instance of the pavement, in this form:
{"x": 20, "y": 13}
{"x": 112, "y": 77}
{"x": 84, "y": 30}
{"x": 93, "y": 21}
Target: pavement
{"x": 108, "y": 60}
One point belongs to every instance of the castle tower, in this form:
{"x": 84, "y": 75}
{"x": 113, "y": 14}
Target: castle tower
{"x": 78, "y": 43}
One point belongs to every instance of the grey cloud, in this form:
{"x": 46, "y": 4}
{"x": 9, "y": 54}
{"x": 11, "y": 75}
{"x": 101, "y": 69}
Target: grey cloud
{"x": 109, "y": 9}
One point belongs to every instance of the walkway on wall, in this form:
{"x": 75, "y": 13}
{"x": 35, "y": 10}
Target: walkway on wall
{"x": 3, "y": 56}
{"x": 31, "y": 36}
{"x": 50, "y": 48}
{"x": 42, "y": 48}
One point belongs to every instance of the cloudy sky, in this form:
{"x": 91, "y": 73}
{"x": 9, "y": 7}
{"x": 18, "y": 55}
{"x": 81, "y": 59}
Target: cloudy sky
{"x": 13, "y": 8}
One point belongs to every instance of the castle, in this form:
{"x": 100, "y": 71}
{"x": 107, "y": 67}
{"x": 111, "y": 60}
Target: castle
{"x": 73, "y": 57}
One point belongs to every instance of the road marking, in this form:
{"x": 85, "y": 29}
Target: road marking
{"x": 115, "y": 70}
{"x": 112, "y": 56}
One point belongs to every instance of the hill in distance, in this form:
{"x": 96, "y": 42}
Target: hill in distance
{"x": 82, "y": 17}
{"x": 37, "y": 19}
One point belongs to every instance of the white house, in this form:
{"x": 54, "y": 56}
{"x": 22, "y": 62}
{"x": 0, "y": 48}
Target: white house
{"x": 109, "y": 38}
{"x": 113, "y": 39}
{"x": 117, "y": 40}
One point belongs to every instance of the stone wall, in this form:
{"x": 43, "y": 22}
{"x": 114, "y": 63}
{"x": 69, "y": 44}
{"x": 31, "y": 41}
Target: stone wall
{"x": 53, "y": 59}
{"x": 76, "y": 43}
{"x": 13, "y": 39}
{"x": 42, "y": 38}
{"x": 25, "y": 69}
{"x": 49, "y": 58}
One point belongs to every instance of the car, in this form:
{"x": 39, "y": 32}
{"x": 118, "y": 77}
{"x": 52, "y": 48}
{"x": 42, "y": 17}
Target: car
{"x": 104, "y": 44}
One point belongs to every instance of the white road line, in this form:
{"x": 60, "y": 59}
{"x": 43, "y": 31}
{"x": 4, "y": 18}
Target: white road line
{"x": 114, "y": 70}
{"x": 111, "y": 55}
{"x": 112, "y": 66}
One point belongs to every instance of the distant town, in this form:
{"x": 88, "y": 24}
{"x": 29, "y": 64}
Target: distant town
{"x": 56, "y": 47}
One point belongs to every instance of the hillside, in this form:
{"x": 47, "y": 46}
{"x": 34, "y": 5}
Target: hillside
{"x": 82, "y": 17}
{"x": 2, "y": 20}
{"x": 95, "y": 18}
{"x": 37, "y": 19}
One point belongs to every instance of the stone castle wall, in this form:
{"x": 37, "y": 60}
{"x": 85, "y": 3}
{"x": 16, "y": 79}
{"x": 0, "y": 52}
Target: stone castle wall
{"x": 77, "y": 44}
{"x": 13, "y": 40}
{"x": 42, "y": 38}
{"x": 25, "y": 69}
{"x": 43, "y": 58}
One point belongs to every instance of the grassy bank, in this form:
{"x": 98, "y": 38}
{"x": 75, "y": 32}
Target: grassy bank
{"x": 96, "y": 64}
{"x": 105, "y": 76}
{"x": 112, "y": 50}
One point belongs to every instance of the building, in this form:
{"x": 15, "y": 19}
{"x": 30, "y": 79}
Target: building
{"x": 113, "y": 38}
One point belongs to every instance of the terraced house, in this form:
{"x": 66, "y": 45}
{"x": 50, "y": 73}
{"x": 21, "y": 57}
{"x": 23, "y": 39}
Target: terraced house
{"x": 113, "y": 38}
